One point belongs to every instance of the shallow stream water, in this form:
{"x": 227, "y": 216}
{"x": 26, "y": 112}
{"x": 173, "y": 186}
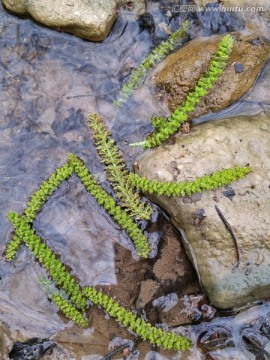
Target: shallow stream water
{"x": 49, "y": 82}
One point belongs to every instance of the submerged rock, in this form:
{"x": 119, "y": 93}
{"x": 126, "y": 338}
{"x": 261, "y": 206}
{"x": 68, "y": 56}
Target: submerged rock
{"x": 90, "y": 19}
{"x": 209, "y": 147}
{"x": 178, "y": 74}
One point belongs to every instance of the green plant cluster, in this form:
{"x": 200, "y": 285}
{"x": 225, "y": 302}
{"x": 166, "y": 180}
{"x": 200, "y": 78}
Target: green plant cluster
{"x": 108, "y": 203}
{"x": 156, "y": 336}
{"x": 153, "y": 58}
{"x": 117, "y": 171}
{"x": 77, "y": 296}
{"x": 186, "y": 188}
{"x": 36, "y": 202}
{"x": 166, "y": 127}
{"x": 63, "y": 173}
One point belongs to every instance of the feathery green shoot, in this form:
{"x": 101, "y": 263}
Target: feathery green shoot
{"x": 156, "y": 336}
{"x": 117, "y": 170}
{"x": 166, "y": 127}
{"x": 70, "y": 311}
{"x": 187, "y": 188}
{"x": 108, "y": 203}
{"x": 62, "y": 302}
{"x": 153, "y": 58}
{"x": 45, "y": 256}
{"x": 36, "y": 202}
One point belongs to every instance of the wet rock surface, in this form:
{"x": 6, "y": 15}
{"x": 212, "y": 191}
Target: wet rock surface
{"x": 179, "y": 72}
{"x": 91, "y": 20}
{"x": 207, "y": 148}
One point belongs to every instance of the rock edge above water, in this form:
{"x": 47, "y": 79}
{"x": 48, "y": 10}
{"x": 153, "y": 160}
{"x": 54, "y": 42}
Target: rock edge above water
{"x": 207, "y": 148}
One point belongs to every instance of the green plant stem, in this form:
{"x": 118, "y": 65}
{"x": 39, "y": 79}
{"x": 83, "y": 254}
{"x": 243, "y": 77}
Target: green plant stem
{"x": 36, "y": 202}
{"x": 156, "y": 336}
{"x": 45, "y": 256}
{"x": 153, "y": 58}
{"x": 187, "y": 188}
{"x": 117, "y": 171}
{"x": 108, "y": 203}
{"x": 70, "y": 311}
{"x": 204, "y": 84}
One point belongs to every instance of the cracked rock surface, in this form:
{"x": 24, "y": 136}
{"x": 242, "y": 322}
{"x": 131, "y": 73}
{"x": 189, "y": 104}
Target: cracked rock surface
{"x": 245, "y": 205}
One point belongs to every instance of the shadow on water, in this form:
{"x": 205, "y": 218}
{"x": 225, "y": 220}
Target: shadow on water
{"x": 49, "y": 82}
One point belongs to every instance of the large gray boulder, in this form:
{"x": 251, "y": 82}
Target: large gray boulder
{"x": 89, "y": 19}
{"x": 207, "y": 148}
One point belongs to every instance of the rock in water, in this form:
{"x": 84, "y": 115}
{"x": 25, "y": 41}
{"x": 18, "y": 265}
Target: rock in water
{"x": 207, "y": 148}
{"x": 32, "y": 349}
{"x": 91, "y": 19}
{"x": 178, "y": 74}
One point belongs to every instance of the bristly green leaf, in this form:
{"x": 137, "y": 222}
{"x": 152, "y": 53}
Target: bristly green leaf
{"x": 36, "y": 202}
{"x": 45, "y": 256}
{"x": 64, "y": 305}
{"x": 156, "y": 336}
{"x": 153, "y": 58}
{"x": 117, "y": 171}
{"x": 187, "y": 188}
{"x": 204, "y": 84}
{"x": 70, "y": 311}
{"x": 108, "y": 203}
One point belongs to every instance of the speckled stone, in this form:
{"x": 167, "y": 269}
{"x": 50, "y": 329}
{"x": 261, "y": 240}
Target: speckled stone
{"x": 207, "y": 148}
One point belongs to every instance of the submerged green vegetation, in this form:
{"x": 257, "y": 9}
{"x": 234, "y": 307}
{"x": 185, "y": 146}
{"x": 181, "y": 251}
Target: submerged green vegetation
{"x": 117, "y": 170}
{"x": 153, "y": 58}
{"x": 72, "y": 299}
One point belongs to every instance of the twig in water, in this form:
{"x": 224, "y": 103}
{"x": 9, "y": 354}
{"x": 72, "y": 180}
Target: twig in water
{"x": 229, "y": 228}
{"x": 116, "y": 351}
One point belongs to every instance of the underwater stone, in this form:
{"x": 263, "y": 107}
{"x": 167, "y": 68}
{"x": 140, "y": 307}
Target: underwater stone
{"x": 206, "y": 149}
{"x": 91, "y": 20}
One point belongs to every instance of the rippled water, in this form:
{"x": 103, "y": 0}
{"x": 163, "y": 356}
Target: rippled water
{"x": 49, "y": 82}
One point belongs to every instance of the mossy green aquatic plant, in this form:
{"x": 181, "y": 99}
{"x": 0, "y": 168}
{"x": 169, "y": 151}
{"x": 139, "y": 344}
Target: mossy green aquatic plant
{"x": 46, "y": 257}
{"x": 36, "y": 202}
{"x": 166, "y": 127}
{"x": 186, "y": 188}
{"x": 117, "y": 171}
{"x": 108, "y": 203}
{"x": 153, "y": 58}
{"x": 70, "y": 311}
{"x": 63, "y": 303}
{"x": 156, "y": 336}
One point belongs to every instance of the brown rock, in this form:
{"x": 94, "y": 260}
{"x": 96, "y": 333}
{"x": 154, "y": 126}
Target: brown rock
{"x": 181, "y": 70}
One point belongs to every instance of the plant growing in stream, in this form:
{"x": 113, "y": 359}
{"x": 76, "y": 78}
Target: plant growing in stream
{"x": 159, "y": 337}
{"x": 59, "y": 273}
{"x": 153, "y": 58}
{"x": 106, "y": 201}
{"x": 46, "y": 257}
{"x": 61, "y": 300}
{"x": 166, "y": 127}
{"x": 117, "y": 170}
{"x": 187, "y": 188}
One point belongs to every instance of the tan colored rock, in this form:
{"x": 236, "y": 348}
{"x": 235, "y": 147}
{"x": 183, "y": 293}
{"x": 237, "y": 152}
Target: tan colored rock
{"x": 209, "y": 147}
{"x": 91, "y": 19}
{"x": 180, "y": 71}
